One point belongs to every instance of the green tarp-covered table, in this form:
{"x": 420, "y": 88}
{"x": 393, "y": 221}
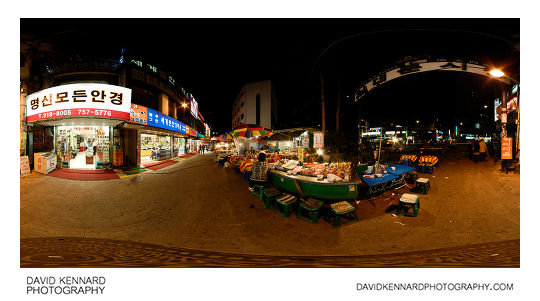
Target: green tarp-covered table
{"x": 310, "y": 187}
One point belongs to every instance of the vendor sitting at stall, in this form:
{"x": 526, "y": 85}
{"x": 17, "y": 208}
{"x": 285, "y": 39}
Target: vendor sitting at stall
{"x": 259, "y": 172}
{"x": 275, "y": 157}
{"x": 247, "y": 155}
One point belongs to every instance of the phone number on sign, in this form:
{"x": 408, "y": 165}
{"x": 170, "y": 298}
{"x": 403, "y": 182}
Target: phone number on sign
{"x": 77, "y": 112}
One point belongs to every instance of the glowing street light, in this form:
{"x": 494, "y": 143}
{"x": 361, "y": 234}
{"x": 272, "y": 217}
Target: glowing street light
{"x": 496, "y": 73}
{"x": 184, "y": 105}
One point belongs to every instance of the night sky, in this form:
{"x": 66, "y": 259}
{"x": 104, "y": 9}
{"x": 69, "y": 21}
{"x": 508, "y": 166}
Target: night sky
{"x": 214, "y": 58}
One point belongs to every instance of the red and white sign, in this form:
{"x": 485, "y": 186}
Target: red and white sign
{"x": 511, "y": 104}
{"x": 318, "y": 140}
{"x": 79, "y": 100}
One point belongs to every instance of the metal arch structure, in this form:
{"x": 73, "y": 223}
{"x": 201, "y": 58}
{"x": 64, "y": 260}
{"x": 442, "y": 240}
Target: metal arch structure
{"x": 423, "y": 65}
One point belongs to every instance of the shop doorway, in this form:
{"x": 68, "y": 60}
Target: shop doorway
{"x": 83, "y": 147}
{"x": 129, "y": 143}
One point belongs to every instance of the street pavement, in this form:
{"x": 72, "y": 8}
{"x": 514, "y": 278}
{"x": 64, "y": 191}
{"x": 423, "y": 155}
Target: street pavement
{"x": 196, "y": 205}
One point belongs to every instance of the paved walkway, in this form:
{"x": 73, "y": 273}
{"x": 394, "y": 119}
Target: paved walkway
{"x": 197, "y": 205}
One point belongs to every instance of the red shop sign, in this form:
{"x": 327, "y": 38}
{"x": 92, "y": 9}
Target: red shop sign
{"x": 506, "y": 148}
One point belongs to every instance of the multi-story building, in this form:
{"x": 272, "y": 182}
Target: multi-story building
{"x": 117, "y": 113}
{"x": 255, "y": 104}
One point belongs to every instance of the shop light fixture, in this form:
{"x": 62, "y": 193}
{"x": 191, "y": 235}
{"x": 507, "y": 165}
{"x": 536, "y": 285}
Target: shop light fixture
{"x": 319, "y": 152}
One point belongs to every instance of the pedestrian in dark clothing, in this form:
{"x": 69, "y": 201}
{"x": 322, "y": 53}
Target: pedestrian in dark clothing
{"x": 259, "y": 172}
{"x": 476, "y": 150}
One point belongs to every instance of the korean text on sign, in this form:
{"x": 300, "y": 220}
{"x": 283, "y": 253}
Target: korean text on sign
{"x": 79, "y": 100}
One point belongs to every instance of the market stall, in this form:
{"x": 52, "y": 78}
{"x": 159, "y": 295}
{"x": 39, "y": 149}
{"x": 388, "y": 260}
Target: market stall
{"x": 334, "y": 181}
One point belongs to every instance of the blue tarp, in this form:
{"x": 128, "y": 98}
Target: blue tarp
{"x": 387, "y": 177}
{"x": 400, "y": 169}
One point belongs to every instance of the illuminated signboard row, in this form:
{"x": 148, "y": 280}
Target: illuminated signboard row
{"x": 147, "y": 116}
{"x": 79, "y": 100}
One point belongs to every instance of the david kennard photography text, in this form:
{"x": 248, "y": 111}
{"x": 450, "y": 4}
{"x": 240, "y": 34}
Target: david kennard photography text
{"x": 65, "y": 285}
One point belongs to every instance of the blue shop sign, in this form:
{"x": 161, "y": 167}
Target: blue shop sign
{"x": 156, "y": 119}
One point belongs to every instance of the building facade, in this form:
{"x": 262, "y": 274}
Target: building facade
{"x": 96, "y": 113}
{"x": 255, "y": 104}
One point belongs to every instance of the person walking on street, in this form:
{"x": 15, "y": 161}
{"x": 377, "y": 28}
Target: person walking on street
{"x": 476, "y": 150}
{"x": 483, "y": 149}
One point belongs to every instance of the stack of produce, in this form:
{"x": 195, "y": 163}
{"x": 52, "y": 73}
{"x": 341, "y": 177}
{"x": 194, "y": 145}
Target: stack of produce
{"x": 289, "y": 164}
{"x": 342, "y": 169}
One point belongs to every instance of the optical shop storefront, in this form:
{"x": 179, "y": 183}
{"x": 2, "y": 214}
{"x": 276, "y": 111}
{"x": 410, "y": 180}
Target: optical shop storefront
{"x": 82, "y": 118}
{"x": 161, "y": 137}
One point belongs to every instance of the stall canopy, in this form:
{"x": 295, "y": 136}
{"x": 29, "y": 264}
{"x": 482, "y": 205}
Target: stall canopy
{"x": 289, "y": 134}
{"x": 251, "y": 130}
{"x": 225, "y": 137}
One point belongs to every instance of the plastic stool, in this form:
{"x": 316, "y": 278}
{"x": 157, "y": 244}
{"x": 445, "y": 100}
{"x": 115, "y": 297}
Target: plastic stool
{"x": 428, "y": 168}
{"x": 247, "y": 174}
{"x": 221, "y": 162}
{"x": 421, "y": 167}
{"x": 257, "y": 191}
{"x": 411, "y": 177}
{"x": 310, "y": 210}
{"x": 269, "y": 196}
{"x": 422, "y": 185}
{"x": 284, "y": 204}
{"x": 340, "y": 211}
{"x": 409, "y": 201}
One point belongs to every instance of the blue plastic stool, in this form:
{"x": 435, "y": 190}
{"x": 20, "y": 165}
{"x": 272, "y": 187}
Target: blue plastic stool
{"x": 247, "y": 175}
{"x": 421, "y": 167}
{"x": 428, "y": 169}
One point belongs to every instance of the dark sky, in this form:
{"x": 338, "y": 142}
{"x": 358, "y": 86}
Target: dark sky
{"x": 213, "y": 58}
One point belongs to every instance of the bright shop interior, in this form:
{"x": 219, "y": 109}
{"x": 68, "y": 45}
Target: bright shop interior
{"x": 83, "y": 147}
{"x": 155, "y": 147}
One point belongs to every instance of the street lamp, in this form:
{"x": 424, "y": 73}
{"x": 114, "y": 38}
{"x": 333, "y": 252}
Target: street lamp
{"x": 499, "y": 74}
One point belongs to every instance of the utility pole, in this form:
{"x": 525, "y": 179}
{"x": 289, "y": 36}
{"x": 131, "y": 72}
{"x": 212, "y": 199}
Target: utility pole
{"x": 503, "y": 125}
{"x": 323, "y": 107}
{"x": 338, "y": 104}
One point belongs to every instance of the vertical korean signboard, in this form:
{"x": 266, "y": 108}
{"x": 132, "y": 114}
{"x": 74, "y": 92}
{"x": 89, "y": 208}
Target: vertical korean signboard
{"x": 506, "y": 148}
{"x": 138, "y": 114}
{"x": 318, "y": 140}
{"x": 25, "y": 166}
{"x": 300, "y": 155}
